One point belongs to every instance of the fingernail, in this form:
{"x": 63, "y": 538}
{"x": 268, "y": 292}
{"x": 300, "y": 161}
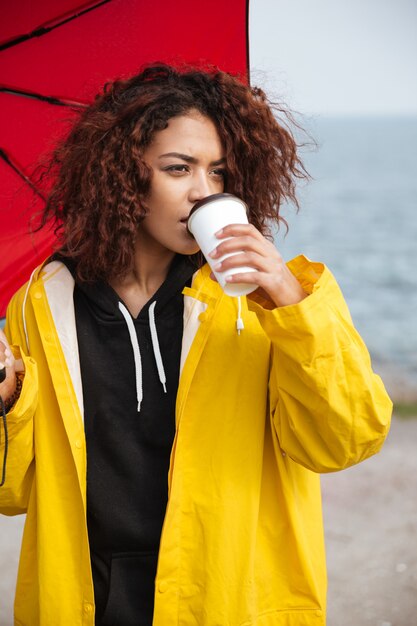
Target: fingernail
{"x": 213, "y": 253}
{"x": 219, "y": 232}
{"x": 2, "y": 366}
{"x": 217, "y": 267}
{"x": 7, "y": 352}
{"x": 8, "y": 362}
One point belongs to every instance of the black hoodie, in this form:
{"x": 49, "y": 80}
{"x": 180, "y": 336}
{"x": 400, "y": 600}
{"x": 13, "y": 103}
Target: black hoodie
{"x": 128, "y": 450}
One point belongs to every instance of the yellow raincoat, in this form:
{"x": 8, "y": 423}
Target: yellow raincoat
{"x": 258, "y": 416}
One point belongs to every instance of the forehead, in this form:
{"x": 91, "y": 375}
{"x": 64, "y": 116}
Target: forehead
{"x": 188, "y": 134}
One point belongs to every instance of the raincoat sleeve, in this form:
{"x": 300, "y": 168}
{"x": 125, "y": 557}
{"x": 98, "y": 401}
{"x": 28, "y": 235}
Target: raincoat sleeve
{"x": 329, "y": 409}
{"x": 14, "y": 493}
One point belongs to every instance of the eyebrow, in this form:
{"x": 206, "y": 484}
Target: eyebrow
{"x": 189, "y": 159}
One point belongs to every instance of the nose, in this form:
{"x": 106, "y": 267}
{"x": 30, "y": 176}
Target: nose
{"x": 201, "y": 187}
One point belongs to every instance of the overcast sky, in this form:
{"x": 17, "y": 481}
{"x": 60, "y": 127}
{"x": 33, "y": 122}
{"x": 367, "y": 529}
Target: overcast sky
{"x": 337, "y": 56}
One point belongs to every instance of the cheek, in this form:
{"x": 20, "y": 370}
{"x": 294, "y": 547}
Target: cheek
{"x": 166, "y": 195}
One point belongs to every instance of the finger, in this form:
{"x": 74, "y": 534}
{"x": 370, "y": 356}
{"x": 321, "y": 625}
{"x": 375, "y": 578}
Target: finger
{"x": 6, "y": 357}
{"x": 232, "y": 230}
{"x": 242, "y": 244}
{"x": 252, "y": 278}
{"x": 250, "y": 259}
{"x": 4, "y": 345}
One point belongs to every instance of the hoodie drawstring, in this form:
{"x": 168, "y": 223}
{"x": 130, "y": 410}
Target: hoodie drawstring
{"x": 155, "y": 345}
{"x": 136, "y": 350}
{"x": 239, "y": 322}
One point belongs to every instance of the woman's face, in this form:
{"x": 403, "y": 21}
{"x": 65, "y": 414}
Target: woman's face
{"x": 188, "y": 163}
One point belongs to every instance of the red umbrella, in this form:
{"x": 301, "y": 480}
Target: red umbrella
{"x": 54, "y": 56}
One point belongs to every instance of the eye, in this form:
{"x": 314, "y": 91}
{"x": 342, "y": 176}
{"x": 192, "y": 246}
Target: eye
{"x": 219, "y": 173}
{"x": 177, "y": 169}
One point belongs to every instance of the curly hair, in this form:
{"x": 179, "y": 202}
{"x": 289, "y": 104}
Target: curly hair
{"x": 101, "y": 183}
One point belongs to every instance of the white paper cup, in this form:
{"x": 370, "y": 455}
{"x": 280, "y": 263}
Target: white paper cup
{"x": 209, "y": 216}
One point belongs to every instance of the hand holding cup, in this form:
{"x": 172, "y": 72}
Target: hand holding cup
{"x": 241, "y": 258}
{"x": 209, "y": 216}
{"x": 7, "y": 369}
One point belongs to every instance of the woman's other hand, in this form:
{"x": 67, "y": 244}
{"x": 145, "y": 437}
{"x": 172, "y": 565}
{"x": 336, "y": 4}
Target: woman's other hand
{"x": 7, "y": 360}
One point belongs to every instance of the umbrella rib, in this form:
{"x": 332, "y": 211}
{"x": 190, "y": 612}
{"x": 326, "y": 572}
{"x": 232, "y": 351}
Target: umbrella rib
{"x": 43, "y": 29}
{"x": 14, "y": 91}
{"x": 8, "y": 160}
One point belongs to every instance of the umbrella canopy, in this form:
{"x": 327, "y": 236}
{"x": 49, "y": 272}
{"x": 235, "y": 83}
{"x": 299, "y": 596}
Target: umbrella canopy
{"x": 55, "y": 56}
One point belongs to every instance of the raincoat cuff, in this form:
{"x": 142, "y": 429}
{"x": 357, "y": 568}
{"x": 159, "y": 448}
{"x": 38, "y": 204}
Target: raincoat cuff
{"x": 308, "y": 274}
{"x": 313, "y": 315}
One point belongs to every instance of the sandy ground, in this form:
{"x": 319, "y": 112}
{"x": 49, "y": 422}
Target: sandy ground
{"x": 370, "y": 514}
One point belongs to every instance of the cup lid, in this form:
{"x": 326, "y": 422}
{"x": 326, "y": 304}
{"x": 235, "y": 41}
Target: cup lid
{"x": 213, "y": 198}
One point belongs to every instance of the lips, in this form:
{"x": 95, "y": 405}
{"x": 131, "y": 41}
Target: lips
{"x": 184, "y": 220}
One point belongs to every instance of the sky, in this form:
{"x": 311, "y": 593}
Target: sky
{"x": 336, "y": 57}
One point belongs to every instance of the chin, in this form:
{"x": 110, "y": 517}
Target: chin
{"x": 189, "y": 250}
{"x": 188, "y": 247}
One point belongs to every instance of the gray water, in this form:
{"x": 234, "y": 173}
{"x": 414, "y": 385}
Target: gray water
{"x": 359, "y": 216}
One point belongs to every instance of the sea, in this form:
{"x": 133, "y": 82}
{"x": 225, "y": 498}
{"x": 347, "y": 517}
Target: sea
{"x": 358, "y": 215}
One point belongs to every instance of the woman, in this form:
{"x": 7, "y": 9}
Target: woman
{"x": 168, "y": 464}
